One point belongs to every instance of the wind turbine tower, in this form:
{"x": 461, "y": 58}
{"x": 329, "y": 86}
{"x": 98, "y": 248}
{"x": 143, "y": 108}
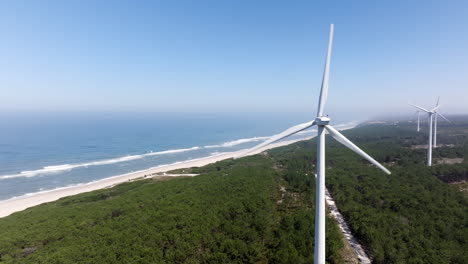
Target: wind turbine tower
{"x": 437, "y": 113}
{"x": 435, "y": 122}
{"x": 323, "y": 123}
{"x": 432, "y": 140}
{"x": 419, "y": 114}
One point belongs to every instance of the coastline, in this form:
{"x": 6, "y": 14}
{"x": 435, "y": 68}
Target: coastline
{"x": 10, "y": 206}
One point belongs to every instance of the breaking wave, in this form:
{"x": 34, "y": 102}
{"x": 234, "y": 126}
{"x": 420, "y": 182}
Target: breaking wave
{"x": 67, "y": 167}
{"x": 237, "y": 142}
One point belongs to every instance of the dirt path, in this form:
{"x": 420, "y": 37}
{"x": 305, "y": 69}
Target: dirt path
{"x": 363, "y": 258}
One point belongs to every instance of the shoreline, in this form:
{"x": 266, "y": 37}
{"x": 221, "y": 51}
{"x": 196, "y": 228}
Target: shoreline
{"x": 16, "y": 204}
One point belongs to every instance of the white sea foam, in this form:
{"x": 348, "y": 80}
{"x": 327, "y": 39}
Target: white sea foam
{"x": 42, "y": 191}
{"x": 74, "y": 185}
{"x": 67, "y": 167}
{"x": 237, "y": 142}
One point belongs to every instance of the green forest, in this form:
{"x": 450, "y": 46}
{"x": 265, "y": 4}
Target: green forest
{"x": 229, "y": 214}
{"x": 410, "y": 216}
{"x": 260, "y": 209}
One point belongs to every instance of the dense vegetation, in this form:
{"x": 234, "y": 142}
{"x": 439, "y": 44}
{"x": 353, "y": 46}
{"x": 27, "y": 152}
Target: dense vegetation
{"x": 260, "y": 209}
{"x": 407, "y": 217}
{"x": 229, "y": 214}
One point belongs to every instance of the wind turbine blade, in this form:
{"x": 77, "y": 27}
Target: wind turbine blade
{"x": 435, "y": 108}
{"x": 444, "y": 117}
{"x": 324, "y": 89}
{"x": 420, "y": 108}
{"x": 273, "y": 139}
{"x": 343, "y": 140}
{"x": 437, "y": 104}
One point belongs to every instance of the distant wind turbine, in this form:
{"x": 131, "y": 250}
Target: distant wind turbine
{"x": 419, "y": 114}
{"x": 432, "y": 140}
{"x": 437, "y": 113}
{"x": 322, "y": 123}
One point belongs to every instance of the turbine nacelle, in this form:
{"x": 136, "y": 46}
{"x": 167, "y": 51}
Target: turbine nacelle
{"x": 322, "y": 121}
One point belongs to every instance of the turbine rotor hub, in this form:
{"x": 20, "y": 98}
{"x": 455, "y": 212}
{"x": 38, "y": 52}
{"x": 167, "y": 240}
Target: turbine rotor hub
{"x": 322, "y": 120}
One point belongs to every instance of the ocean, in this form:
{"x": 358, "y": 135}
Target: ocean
{"x": 40, "y": 152}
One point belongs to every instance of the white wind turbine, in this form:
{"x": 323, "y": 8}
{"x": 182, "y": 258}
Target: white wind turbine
{"x": 419, "y": 114}
{"x": 322, "y": 123}
{"x": 432, "y": 138}
{"x": 436, "y": 113}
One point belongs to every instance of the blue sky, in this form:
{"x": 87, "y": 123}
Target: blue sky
{"x": 232, "y": 56}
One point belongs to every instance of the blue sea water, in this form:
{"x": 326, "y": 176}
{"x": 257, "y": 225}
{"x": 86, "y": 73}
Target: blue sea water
{"x": 45, "y": 151}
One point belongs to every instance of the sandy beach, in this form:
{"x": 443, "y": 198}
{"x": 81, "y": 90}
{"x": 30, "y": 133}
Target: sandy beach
{"x": 10, "y": 206}
{"x": 13, "y": 205}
